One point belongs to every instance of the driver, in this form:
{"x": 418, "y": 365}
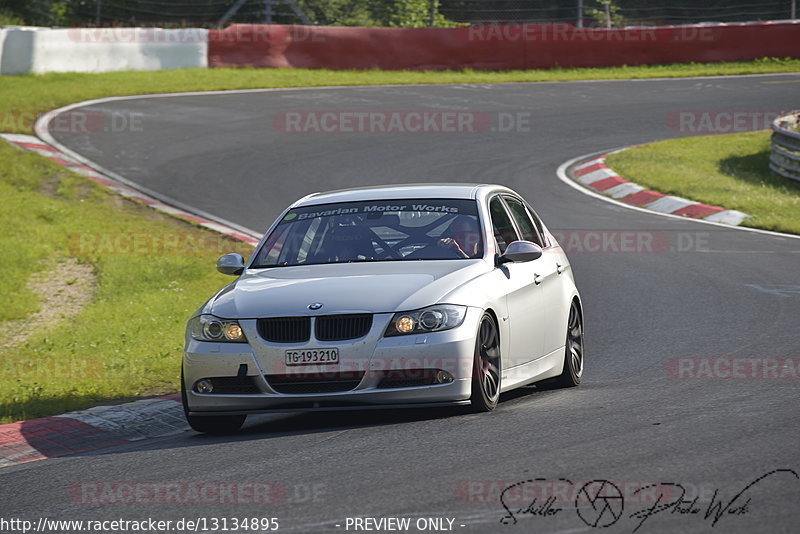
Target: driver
{"x": 347, "y": 243}
{"x": 464, "y": 237}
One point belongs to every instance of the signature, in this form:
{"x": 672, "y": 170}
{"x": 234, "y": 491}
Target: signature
{"x": 601, "y": 503}
{"x": 546, "y": 509}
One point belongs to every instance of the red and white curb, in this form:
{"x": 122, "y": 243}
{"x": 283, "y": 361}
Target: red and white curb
{"x": 596, "y": 175}
{"x": 101, "y": 426}
{"x": 92, "y": 429}
{"x": 34, "y": 144}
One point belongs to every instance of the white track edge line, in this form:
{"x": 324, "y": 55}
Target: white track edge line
{"x": 40, "y": 128}
{"x": 401, "y": 85}
{"x": 561, "y": 172}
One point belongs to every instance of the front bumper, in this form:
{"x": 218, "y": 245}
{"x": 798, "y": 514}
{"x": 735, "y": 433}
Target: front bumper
{"x": 373, "y": 355}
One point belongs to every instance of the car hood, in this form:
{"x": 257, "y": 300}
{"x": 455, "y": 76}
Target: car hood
{"x": 343, "y": 288}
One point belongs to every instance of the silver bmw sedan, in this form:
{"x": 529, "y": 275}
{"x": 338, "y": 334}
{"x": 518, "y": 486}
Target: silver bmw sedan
{"x": 393, "y": 296}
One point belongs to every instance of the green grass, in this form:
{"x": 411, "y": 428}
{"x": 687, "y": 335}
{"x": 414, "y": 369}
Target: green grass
{"x": 724, "y": 170}
{"x": 26, "y": 96}
{"x": 128, "y": 340}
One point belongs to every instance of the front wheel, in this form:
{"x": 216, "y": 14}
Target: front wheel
{"x": 573, "y": 352}
{"x": 210, "y": 424}
{"x": 486, "y": 367}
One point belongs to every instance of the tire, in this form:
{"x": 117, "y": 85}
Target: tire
{"x": 573, "y": 351}
{"x": 210, "y": 424}
{"x": 486, "y": 366}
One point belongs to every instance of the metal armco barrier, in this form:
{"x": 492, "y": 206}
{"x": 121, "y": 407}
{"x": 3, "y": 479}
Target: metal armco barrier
{"x": 785, "y": 157}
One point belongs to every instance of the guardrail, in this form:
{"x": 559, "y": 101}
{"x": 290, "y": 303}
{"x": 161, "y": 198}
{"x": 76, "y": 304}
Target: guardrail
{"x": 785, "y": 157}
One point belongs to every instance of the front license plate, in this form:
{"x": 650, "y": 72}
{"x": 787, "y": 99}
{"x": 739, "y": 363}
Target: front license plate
{"x": 312, "y": 356}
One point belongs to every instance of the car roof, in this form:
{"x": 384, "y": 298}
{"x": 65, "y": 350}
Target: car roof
{"x": 402, "y": 191}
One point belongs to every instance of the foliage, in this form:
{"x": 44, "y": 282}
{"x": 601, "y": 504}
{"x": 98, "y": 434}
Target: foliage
{"x": 395, "y": 13}
{"x": 599, "y": 15}
{"x": 7, "y": 18}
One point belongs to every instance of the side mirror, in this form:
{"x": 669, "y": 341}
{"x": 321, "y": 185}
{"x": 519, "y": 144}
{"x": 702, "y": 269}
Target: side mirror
{"x": 232, "y": 264}
{"x": 521, "y": 251}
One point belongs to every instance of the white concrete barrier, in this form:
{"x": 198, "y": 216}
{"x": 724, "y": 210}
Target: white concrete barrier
{"x": 40, "y": 50}
{"x": 2, "y": 40}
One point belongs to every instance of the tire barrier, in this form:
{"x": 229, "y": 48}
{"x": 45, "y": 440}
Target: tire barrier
{"x": 785, "y": 157}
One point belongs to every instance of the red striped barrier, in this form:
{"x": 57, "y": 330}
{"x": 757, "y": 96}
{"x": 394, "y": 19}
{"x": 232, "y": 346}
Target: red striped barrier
{"x": 495, "y": 47}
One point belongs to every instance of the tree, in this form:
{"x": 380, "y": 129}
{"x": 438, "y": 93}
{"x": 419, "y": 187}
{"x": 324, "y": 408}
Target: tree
{"x": 608, "y": 15}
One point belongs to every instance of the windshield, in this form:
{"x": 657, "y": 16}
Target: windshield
{"x": 377, "y": 230}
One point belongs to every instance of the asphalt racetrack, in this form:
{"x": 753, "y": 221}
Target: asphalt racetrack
{"x": 667, "y": 312}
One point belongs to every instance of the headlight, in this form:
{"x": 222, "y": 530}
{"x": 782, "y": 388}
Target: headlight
{"x": 210, "y": 328}
{"x": 431, "y": 319}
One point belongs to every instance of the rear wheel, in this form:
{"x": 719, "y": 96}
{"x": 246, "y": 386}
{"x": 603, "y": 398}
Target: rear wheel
{"x": 210, "y": 424}
{"x": 573, "y": 352}
{"x": 486, "y": 367}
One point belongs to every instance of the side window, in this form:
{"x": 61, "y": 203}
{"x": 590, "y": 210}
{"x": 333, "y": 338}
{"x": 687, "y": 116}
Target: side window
{"x": 524, "y": 222}
{"x": 538, "y": 222}
{"x": 271, "y": 251}
{"x": 287, "y": 244}
{"x": 502, "y": 227}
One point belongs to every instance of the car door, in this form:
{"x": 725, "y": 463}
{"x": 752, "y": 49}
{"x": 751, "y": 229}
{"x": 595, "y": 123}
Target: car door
{"x": 523, "y": 297}
{"x": 549, "y": 270}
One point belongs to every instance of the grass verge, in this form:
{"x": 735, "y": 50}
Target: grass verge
{"x": 127, "y": 340}
{"x": 24, "y": 97}
{"x": 724, "y": 170}
{"x": 151, "y": 272}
